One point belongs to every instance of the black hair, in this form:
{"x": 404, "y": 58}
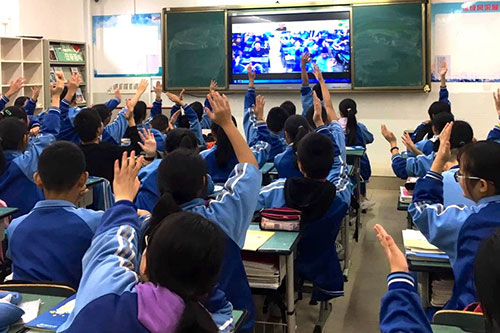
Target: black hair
{"x": 65, "y": 92}
{"x": 160, "y": 122}
{"x": 276, "y": 119}
{"x": 315, "y": 154}
{"x": 181, "y": 138}
{"x": 310, "y": 113}
{"x": 20, "y": 101}
{"x": 86, "y": 124}
{"x": 224, "y": 152}
{"x": 185, "y": 254}
{"x": 438, "y": 107}
{"x": 461, "y": 134}
{"x": 481, "y": 159}
{"x": 61, "y": 165}
{"x": 140, "y": 112}
{"x": 198, "y": 108}
{"x": 296, "y": 127}
{"x": 486, "y": 276}
{"x": 349, "y": 109}
{"x": 183, "y": 121}
{"x": 289, "y": 107}
{"x": 441, "y": 119}
{"x": 103, "y": 111}
{"x": 12, "y": 132}
{"x": 14, "y": 112}
{"x": 317, "y": 89}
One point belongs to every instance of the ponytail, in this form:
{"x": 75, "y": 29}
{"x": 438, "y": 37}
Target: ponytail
{"x": 196, "y": 318}
{"x": 165, "y": 206}
{"x": 225, "y": 151}
{"x": 348, "y": 109}
{"x": 180, "y": 138}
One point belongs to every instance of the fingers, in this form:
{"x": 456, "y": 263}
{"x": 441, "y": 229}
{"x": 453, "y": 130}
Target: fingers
{"x": 209, "y": 114}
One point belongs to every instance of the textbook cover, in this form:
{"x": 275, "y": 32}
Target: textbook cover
{"x": 55, "y": 317}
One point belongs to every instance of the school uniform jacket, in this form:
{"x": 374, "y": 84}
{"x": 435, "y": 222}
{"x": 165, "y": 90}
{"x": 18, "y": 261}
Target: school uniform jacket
{"x": 363, "y": 138}
{"x": 113, "y": 132}
{"x": 457, "y": 230}
{"x": 149, "y": 193}
{"x": 17, "y": 187}
{"x": 425, "y": 127}
{"x": 317, "y": 259}
{"x": 494, "y": 134}
{"x": 412, "y": 166}
{"x": 401, "y": 309}
{"x": 48, "y": 244}
{"x": 194, "y": 123}
{"x": 159, "y": 136}
{"x": 286, "y": 165}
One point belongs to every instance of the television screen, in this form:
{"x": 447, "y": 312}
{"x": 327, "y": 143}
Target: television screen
{"x": 274, "y": 43}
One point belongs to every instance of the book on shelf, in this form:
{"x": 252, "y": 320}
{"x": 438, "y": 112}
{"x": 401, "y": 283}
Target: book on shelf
{"x": 75, "y": 70}
{"x": 80, "y": 99}
{"x": 52, "y": 75}
{"x": 52, "y": 53}
{"x": 59, "y": 53}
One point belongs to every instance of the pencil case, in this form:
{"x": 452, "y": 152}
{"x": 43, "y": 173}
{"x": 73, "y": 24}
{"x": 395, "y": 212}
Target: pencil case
{"x": 280, "y": 219}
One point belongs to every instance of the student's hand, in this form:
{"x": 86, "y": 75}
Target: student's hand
{"x": 251, "y": 75}
{"x": 318, "y": 110}
{"x": 396, "y": 258}
{"x": 57, "y": 88}
{"x": 173, "y": 120}
{"x": 221, "y": 114}
{"x": 158, "y": 90}
{"x": 176, "y": 99}
{"x": 317, "y": 74}
{"x": 408, "y": 142}
{"x": 149, "y": 145}
{"x": 444, "y": 69}
{"x": 35, "y": 131}
{"x": 258, "y": 108}
{"x": 35, "y": 92}
{"x": 496, "y": 97}
{"x": 213, "y": 85}
{"x": 73, "y": 83}
{"x": 143, "y": 85}
{"x": 118, "y": 94}
{"x": 142, "y": 212}
{"x": 388, "y": 135}
{"x": 443, "y": 155}
{"x": 126, "y": 184}
{"x": 14, "y": 87}
{"x": 304, "y": 59}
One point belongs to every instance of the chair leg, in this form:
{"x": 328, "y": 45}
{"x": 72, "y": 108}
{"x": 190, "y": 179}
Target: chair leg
{"x": 325, "y": 308}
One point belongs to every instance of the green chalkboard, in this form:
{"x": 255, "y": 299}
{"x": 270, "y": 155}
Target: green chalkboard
{"x": 194, "y": 49}
{"x": 387, "y": 41}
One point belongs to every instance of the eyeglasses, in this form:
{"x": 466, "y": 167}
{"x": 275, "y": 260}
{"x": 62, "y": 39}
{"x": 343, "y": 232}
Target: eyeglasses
{"x": 459, "y": 175}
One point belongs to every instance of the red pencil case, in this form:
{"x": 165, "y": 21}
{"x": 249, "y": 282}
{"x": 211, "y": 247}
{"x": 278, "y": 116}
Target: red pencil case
{"x": 280, "y": 219}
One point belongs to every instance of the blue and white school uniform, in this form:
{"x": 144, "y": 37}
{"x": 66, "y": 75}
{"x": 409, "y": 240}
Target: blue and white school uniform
{"x": 494, "y": 134}
{"x": 286, "y": 164}
{"x": 159, "y": 136}
{"x": 17, "y": 187}
{"x": 306, "y": 98}
{"x": 457, "y": 230}
{"x": 401, "y": 309}
{"x": 412, "y": 166}
{"x": 206, "y": 122}
{"x": 317, "y": 259}
{"x": 48, "y": 244}
{"x": 260, "y": 150}
{"x": 149, "y": 194}
{"x": 110, "y": 297}
{"x": 194, "y": 122}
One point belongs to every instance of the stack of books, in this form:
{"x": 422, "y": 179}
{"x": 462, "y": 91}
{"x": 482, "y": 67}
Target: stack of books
{"x": 441, "y": 292}
{"x": 66, "y": 52}
{"x": 262, "y": 271}
{"x": 418, "y": 248}
{"x": 405, "y": 196}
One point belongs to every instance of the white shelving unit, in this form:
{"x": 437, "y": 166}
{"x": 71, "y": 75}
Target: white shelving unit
{"x": 22, "y": 57}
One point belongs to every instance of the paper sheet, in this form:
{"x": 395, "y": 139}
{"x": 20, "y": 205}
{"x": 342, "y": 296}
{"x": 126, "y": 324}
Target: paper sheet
{"x": 30, "y": 310}
{"x": 256, "y": 238}
{"x": 414, "y": 239}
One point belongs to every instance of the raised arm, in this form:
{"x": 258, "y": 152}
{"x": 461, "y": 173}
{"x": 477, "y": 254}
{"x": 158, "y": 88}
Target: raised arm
{"x": 31, "y": 103}
{"x": 494, "y": 134}
{"x": 249, "y": 119}
{"x": 115, "y": 101}
{"x": 157, "y": 104}
{"x": 14, "y": 87}
{"x": 327, "y": 100}
{"x": 443, "y": 91}
{"x": 304, "y": 60}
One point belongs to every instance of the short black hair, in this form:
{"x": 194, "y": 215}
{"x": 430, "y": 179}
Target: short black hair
{"x": 289, "y": 107}
{"x": 86, "y": 124}
{"x": 181, "y": 138}
{"x": 61, "y": 165}
{"x": 276, "y": 119}
{"x": 317, "y": 89}
{"x": 65, "y": 92}
{"x": 183, "y": 121}
{"x": 438, "y": 107}
{"x": 481, "y": 159}
{"x": 315, "y": 153}
{"x": 102, "y": 110}
{"x": 20, "y": 101}
{"x": 461, "y": 134}
{"x": 441, "y": 119}
{"x": 198, "y": 108}
{"x": 14, "y": 112}
{"x": 159, "y": 122}
{"x": 310, "y": 113}
{"x": 140, "y": 112}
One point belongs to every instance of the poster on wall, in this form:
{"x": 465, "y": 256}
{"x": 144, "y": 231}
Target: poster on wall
{"x": 465, "y": 36}
{"x": 127, "y": 45}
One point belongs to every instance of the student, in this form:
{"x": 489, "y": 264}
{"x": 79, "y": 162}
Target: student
{"x": 29, "y": 105}
{"x": 159, "y": 127}
{"x": 306, "y": 93}
{"x": 256, "y": 129}
{"x": 456, "y": 229}
{"x": 494, "y": 134}
{"x": 48, "y": 244}
{"x": 189, "y": 119}
{"x": 289, "y": 107}
{"x": 19, "y": 156}
{"x": 149, "y": 194}
{"x": 356, "y": 134}
{"x": 424, "y": 130}
{"x": 232, "y": 211}
{"x": 296, "y": 127}
{"x": 323, "y": 198}
{"x": 14, "y": 88}
{"x": 100, "y": 156}
{"x": 111, "y": 298}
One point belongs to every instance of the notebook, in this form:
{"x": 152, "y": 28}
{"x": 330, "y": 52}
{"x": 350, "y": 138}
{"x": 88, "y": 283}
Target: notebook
{"x": 55, "y": 317}
{"x": 256, "y": 238}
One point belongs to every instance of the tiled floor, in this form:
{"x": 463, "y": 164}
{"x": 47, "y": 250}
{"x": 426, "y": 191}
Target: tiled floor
{"x": 358, "y": 310}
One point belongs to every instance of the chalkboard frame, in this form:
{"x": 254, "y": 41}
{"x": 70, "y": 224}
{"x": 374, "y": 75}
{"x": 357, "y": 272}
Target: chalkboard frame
{"x": 426, "y": 41}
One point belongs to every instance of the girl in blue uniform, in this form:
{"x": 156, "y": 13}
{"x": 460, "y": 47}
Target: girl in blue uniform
{"x": 178, "y": 268}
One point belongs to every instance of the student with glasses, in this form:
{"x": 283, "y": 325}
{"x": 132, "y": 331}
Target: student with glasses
{"x": 457, "y": 229}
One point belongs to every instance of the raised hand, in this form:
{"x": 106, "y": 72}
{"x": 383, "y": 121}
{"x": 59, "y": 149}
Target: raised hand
{"x": 143, "y": 85}
{"x": 304, "y": 59}
{"x": 213, "y": 85}
{"x": 58, "y": 87}
{"x": 221, "y": 113}
{"x": 408, "y": 142}
{"x": 175, "y": 99}
{"x": 149, "y": 145}
{"x": 317, "y": 74}
{"x": 318, "y": 111}
{"x": 173, "y": 120}
{"x": 14, "y": 87}
{"x": 158, "y": 90}
{"x": 388, "y": 135}
{"x": 258, "y": 108}
{"x": 125, "y": 183}
{"x": 444, "y": 69}
{"x": 251, "y": 75}
{"x": 444, "y": 152}
{"x": 35, "y": 92}
{"x": 129, "y": 115}
{"x": 396, "y": 258}
{"x": 496, "y": 97}
{"x": 118, "y": 94}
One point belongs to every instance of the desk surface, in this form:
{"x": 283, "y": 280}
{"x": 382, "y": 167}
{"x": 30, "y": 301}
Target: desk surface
{"x": 47, "y": 303}
{"x": 282, "y": 242}
{"x": 267, "y": 167}
{"x": 356, "y": 151}
{"x": 7, "y": 211}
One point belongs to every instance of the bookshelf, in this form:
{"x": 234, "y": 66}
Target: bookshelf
{"x": 68, "y": 57}
{"x": 22, "y": 57}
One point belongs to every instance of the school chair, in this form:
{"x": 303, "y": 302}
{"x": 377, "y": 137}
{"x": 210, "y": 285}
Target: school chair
{"x": 325, "y": 307}
{"x": 39, "y": 288}
{"x": 465, "y": 320}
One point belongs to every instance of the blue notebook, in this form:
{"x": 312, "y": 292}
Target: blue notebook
{"x": 55, "y": 317}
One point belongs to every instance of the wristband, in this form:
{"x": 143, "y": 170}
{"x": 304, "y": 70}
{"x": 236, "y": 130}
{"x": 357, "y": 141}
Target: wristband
{"x": 394, "y": 148}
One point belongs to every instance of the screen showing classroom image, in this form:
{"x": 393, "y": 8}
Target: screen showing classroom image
{"x": 274, "y": 43}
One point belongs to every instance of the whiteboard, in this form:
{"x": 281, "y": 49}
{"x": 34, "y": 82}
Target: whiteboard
{"x": 467, "y": 40}
{"x": 127, "y": 45}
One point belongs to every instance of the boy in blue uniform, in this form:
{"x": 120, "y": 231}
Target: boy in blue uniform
{"x": 193, "y": 122}
{"x": 19, "y": 156}
{"x": 48, "y": 244}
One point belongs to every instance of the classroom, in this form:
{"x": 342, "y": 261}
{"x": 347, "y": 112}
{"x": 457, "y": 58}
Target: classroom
{"x": 234, "y": 166}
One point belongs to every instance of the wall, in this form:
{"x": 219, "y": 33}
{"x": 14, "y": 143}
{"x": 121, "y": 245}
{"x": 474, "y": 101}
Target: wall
{"x": 400, "y": 111}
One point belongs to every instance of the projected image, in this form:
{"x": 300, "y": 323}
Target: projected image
{"x": 276, "y": 47}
